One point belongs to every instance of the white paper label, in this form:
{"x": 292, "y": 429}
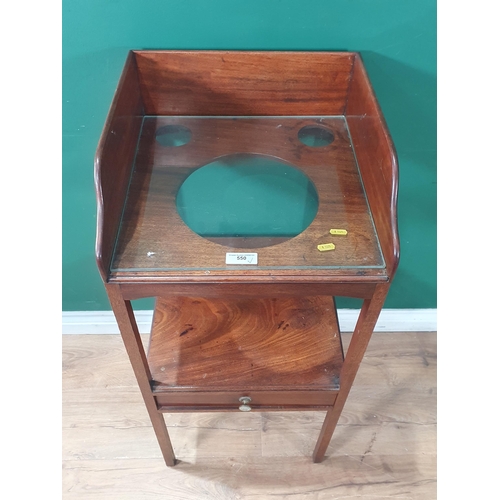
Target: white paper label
{"x": 241, "y": 258}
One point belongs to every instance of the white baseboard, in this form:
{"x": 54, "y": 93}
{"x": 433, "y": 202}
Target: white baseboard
{"x": 390, "y": 320}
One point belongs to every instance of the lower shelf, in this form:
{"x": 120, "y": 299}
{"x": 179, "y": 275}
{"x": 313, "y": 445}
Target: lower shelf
{"x": 207, "y": 354}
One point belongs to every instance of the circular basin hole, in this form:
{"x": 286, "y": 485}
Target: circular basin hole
{"x": 315, "y": 136}
{"x": 247, "y": 196}
{"x": 173, "y": 135}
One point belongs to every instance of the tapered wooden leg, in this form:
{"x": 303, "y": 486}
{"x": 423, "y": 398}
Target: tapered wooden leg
{"x": 362, "y": 333}
{"x": 133, "y": 344}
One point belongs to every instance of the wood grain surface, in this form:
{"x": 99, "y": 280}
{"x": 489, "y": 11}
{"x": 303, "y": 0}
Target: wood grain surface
{"x": 384, "y": 446}
{"x": 244, "y": 82}
{"x": 254, "y": 344}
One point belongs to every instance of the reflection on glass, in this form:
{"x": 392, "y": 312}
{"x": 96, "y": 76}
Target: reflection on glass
{"x": 315, "y": 136}
{"x": 247, "y": 195}
{"x": 173, "y": 135}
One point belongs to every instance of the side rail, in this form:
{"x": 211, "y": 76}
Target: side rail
{"x": 377, "y": 160}
{"x": 114, "y": 161}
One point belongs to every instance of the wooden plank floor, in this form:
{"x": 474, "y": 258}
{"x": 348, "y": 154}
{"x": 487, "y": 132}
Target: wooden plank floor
{"x": 383, "y": 447}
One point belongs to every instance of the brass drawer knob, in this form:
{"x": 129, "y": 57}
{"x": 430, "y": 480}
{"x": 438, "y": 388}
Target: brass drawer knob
{"x": 245, "y": 400}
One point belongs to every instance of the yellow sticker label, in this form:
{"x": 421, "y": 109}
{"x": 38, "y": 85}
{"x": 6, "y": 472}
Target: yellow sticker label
{"x": 337, "y": 232}
{"x": 326, "y": 246}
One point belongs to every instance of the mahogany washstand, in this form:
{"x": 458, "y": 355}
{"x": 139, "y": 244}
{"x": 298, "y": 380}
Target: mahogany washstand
{"x": 219, "y": 176}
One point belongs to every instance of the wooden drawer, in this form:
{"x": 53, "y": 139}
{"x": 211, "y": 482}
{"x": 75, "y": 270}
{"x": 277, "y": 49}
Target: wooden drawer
{"x": 259, "y": 400}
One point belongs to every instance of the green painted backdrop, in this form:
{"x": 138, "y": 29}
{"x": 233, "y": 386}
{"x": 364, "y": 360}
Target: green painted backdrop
{"x": 397, "y": 40}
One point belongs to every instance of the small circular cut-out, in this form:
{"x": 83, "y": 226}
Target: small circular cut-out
{"x": 315, "y": 136}
{"x": 173, "y": 135}
{"x": 247, "y": 196}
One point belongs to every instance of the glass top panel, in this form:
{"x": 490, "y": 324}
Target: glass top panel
{"x": 219, "y": 193}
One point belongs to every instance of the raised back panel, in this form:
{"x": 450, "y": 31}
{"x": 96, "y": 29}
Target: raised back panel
{"x": 244, "y": 83}
{"x": 114, "y": 161}
{"x": 376, "y": 159}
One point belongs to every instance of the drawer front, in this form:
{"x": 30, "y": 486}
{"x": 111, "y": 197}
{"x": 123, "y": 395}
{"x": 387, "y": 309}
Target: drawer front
{"x": 244, "y": 400}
